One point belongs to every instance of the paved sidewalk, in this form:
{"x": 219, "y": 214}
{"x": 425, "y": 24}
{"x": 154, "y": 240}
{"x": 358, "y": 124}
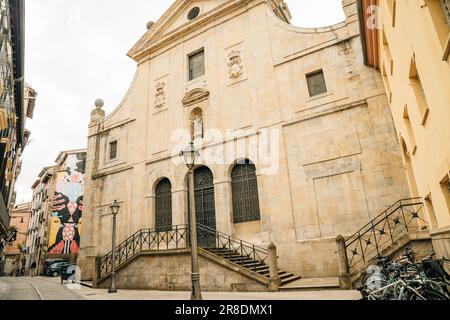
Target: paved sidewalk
{"x": 4, "y": 289}
{"x": 102, "y": 294}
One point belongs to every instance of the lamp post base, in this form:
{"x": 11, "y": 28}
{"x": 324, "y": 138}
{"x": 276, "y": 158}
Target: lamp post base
{"x": 196, "y": 293}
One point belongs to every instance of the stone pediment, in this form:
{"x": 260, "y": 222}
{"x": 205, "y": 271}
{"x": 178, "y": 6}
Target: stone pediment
{"x": 195, "y": 96}
{"x": 176, "y": 19}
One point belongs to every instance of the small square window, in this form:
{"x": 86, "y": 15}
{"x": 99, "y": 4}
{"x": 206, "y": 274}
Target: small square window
{"x": 316, "y": 83}
{"x": 196, "y": 65}
{"x": 113, "y": 150}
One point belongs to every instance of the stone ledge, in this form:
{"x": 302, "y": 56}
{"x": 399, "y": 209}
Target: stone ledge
{"x": 442, "y": 233}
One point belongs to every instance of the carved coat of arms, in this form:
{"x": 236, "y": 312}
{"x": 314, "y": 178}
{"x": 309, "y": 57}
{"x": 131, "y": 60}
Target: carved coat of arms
{"x": 235, "y": 67}
{"x": 160, "y": 95}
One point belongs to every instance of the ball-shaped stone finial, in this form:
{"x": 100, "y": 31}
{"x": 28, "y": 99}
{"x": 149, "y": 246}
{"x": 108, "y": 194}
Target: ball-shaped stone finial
{"x": 99, "y": 103}
{"x": 149, "y": 24}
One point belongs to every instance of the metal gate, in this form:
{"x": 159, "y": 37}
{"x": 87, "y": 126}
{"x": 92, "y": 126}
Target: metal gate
{"x": 205, "y": 208}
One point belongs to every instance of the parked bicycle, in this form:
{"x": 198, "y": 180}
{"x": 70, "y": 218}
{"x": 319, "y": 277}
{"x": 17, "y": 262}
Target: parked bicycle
{"x": 406, "y": 279}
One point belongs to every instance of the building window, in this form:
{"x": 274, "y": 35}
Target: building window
{"x": 113, "y": 150}
{"x": 445, "y": 187}
{"x": 245, "y": 193}
{"x": 419, "y": 92}
{"x": 446, "y": 7}
{"x": 392, "y": 4}
{"x": 193, "y": 13}
{"x": 430, "y": 211}
{"x": 440, "y": 16}
{"x": 410, "y": 131}
{"x": 316, "y": 83}
{"x": 163, "y": 208}
{"x": 196, "y": 65}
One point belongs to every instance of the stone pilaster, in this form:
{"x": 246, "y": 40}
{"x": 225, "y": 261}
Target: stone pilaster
{"x": 88, "y": 248}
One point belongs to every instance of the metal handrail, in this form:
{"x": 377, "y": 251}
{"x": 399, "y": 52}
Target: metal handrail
{"x": 243, "y": 248}
{"x": 177, "y": 237}
{"x": 384, "y": 230}
{"x": 174, "y": 237}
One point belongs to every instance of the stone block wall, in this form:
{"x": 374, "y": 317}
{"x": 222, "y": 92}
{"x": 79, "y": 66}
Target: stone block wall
{"x": 172, "y": 272}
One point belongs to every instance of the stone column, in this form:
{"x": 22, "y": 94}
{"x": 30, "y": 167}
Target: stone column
{"x": 344, "y": 269}
{"x": 272, "y": 257}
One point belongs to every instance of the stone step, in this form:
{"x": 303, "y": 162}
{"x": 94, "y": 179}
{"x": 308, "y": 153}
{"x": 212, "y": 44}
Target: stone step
{"x": 289, "y": 279}
{"x": 220, "y": 250}
{"x": 86, "y": 284}
{"x": 252, "y": 265}
{"x": 312, "y": 284}
{"x": 261, "y": 269}
{"x": 243, "y": 259}
{"x": 285, "y": 275}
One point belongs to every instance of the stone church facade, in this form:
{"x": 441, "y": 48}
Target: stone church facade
{"x": 296, "y": 136}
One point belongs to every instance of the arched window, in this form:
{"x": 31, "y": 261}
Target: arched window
{"x": 163, "y": 216}
{"x": 245, "y": 193}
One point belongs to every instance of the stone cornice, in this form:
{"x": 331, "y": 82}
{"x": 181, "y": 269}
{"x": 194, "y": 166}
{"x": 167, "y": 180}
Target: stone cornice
{"x": 112, "y": 127}
{"x": 154, "y": 41}
{"x": 104, "y": 173}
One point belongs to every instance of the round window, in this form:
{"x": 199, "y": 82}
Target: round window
{"x": 193, "y": 13}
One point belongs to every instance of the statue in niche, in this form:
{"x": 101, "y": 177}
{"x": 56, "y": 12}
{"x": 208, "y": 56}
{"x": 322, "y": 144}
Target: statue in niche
{"x": 198, "y": 127}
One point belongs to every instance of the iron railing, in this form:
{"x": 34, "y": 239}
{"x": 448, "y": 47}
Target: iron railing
{"x": 219, "y": 240}
{"x": 177, "y": 237}
{"x": 398, "y": 220}
{"x": 146, "y": 240}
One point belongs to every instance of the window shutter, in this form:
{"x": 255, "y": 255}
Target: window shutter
{"x": 113, "y": 150}
{"x": 196, "y": 65}
{"x": 316, "y": 83}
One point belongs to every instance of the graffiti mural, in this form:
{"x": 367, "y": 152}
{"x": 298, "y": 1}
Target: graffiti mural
{"x": 65, "y": 225}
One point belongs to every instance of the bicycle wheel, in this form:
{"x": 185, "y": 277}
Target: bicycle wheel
{"x": 431, "y": 295}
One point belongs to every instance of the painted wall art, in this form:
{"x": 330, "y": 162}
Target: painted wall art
{"x": 65, "y": 228}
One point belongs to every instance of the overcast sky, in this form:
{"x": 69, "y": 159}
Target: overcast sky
{"x": 76, "y": 52}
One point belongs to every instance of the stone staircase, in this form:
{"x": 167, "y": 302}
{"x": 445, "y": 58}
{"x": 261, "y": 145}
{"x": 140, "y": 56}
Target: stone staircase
{"x": 241, "y": 256}
{"x": 312, "y": 284}
{"x": 248, "y": 263}
{"x": 401, "y": 225}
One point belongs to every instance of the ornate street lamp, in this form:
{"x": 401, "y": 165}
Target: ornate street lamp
{"x": 190, "y": 155}
{"x": 115, "y": 207}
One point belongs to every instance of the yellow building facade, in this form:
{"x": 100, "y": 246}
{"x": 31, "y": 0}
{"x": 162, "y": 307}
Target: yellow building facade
{"x": 411, "y": 47}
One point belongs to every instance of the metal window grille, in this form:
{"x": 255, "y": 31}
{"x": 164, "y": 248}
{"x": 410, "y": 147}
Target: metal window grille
{"x": 316, "y": 83}
{"x": 205, "y": 208}
{"x": 163, "y": 216}
{"x": 196, "y": 65}
{"x": 245, "y": 193}
{"x": 113, "y": 150}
